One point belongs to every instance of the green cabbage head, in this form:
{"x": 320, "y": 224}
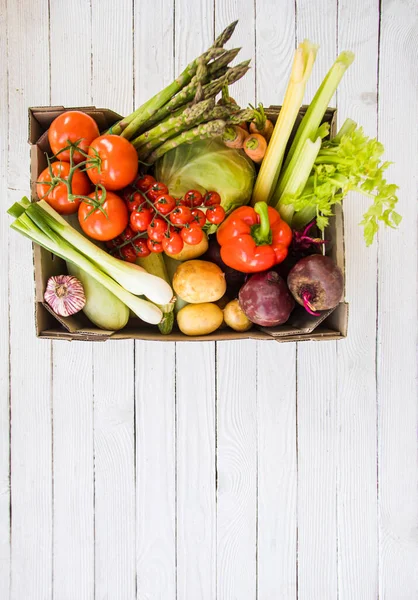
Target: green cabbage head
{"x": 208, "y": 165}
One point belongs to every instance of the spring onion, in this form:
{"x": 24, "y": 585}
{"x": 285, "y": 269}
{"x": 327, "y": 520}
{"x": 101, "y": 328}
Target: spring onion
{"x": 270, "y": 167}
{"x": 33, "y": 225}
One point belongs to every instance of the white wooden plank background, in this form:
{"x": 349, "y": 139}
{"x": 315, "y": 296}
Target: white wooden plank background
{"x": 235, "y": 470}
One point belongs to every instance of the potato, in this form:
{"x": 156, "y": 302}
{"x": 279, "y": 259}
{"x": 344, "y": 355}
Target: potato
{"x": 235, "y": 317}
{"x": 199, "y": 319}
{"x": 197, "y": 281}
{"x": 188, "y": 252}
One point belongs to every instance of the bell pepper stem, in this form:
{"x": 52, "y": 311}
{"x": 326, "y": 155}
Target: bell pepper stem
{"x": 262, "y": 232}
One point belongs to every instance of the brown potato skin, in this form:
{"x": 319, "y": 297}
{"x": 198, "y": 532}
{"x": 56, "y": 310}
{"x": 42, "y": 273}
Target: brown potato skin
{"x": 235, "y": 317}
{"x": 199, "y": 319}
{"x": 198, "y": 281}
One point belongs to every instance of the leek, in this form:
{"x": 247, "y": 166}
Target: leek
{"x": 36, "y": 228}
{"x": 130, "y": 276}
{"x": 270, "y": 167}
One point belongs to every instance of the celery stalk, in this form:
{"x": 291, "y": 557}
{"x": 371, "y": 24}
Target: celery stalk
{"x": 45, "y": 237}
{"x": 304, "y": 59}
{"x": 316, "y": 111}
{"x": 299, "y": 172}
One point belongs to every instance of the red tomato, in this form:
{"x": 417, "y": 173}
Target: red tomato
{"x": 154, "y": 246}
{"x": 145, "y": 182}
{"x": 141, "y": 218}
{"x": 165, "y": 204}
{"x": 192, "y": 234}
{"x": 211, "y": 199}
{"x": 192, "y": 198}
{"x": 128, "y": 253}
{"x": 101, "y": 226}
{"x": 133, "y": 199}
{"x": 117, "y": 162}
{"x": 172, "y": 243}
{"x": 156, "y": 229}
{"x": 141, "y": 247}
{"x": 72, "y": 126}
{"x": 156, "y": 190}
{"x": 181, "y": 215}
{"x": 199, "y": 217}
{"x": 215, "y": 214}
{"x": 55, "y": 192}
{"x": 128, "y": 234}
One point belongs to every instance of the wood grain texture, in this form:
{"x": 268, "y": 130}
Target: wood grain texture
{"x": 196, "y": 476}
{"x": 195, "y": 392}
{"x": 30, "y": 373}
{"x": 276, "y": 363}
{"x": 277, "y": 471}
{"x": 73, "y": 471}
{"x": 155, "y": 471}
{"x": 4, "y": 330}
{"x": 356, "y": 367}
{"x": 397, "y": 309}
{"x": 237, "y": 470}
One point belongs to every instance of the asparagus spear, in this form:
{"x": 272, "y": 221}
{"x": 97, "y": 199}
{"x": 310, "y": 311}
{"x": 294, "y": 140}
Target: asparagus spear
{"x": 201, "y": 132}
{"x": 140, "y": 115}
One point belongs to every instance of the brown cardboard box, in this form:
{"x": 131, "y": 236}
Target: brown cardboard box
{"x": 331, "y": 325}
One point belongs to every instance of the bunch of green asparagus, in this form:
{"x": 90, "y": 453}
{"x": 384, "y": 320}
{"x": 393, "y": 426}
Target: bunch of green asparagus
{"x": 186, "y": 110}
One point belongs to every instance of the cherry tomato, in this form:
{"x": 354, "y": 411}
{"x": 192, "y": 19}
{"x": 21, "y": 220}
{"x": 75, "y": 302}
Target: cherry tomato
{"x": 55, "y": 192}
{"x": 165, "y": 204}
{"x": 101, "y": 226}
{"x": 145, "y": 182}
{"x": 181, "y": 215}
{"x": 211, "y": 199}
{"x": 156, "y": 229}
{"x": 199, "y": 217}
{"x": 172, "y": 243}
{"x": 215, "y": 214}
{"x": 72, "y": 126}
{"x": 192, "y": 198}
{"x": 128, "y": 234}
{"x": 133, "y": 199}
{"x": 154, "y": 246}
{"x": 141, "y": 247}
{"x": 192, "y": 234}
{"x": 141, "y": 218}
{"x": 118, "y": 162}
{"x": 156, "y": 190}
{"x": 128, "y": 253}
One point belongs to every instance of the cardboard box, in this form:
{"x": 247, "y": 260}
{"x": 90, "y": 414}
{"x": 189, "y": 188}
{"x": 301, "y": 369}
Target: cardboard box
{"x": 331, "y": 325}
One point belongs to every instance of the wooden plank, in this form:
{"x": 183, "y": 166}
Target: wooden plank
{"x": 113, "y": 388}
{"x": 155, "y": 468}
{"x": 237, "y": 469}
{"x": 195, "y": 378}
{"x": 397, "y": 308}
{"x": 277, "y": 470}
{"x": 30, "y": 377}
{"x": 317, "y": 382}
{"x": 73, "y": 460}
{"x": 155, "y": 395}
{"x": 4, "y": 333}
{"x": 196, "y": 476}
{"x": 276, "y": 363}
{"x": 356, "y": 366}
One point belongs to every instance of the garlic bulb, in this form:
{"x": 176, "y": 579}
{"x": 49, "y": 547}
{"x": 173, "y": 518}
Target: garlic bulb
{"x": 65, "y": 295}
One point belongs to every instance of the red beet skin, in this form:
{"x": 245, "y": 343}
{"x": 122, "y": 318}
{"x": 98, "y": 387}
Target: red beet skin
{"x": 266, "y": 300}
{"x": 316, "y": 283}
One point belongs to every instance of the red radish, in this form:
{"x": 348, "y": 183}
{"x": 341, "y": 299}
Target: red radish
{"x": 234, "y": 137}
{"x": 265, "y": 299}
{"x": 255, "y": 147}
{"x": 316, "y": 283}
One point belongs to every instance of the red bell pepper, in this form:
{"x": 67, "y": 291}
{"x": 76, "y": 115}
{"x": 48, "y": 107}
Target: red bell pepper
{"x": 254, "y": 239}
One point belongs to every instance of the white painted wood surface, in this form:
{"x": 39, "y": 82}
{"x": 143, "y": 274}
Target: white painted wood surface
{"x": 236, "y": 470}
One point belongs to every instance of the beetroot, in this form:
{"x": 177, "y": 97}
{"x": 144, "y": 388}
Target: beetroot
{"x": 316, "y": 283}
{"x": 266, "y": 300}
{"x": 234, "y": 279}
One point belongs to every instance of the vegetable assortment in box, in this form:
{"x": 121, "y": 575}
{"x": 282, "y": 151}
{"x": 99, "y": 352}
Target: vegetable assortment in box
{"x": 194, "y": 218}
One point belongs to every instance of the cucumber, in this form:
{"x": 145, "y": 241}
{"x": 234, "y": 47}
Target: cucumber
{"x": 154, "y": 264}
{"x": 102, "y": 307}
